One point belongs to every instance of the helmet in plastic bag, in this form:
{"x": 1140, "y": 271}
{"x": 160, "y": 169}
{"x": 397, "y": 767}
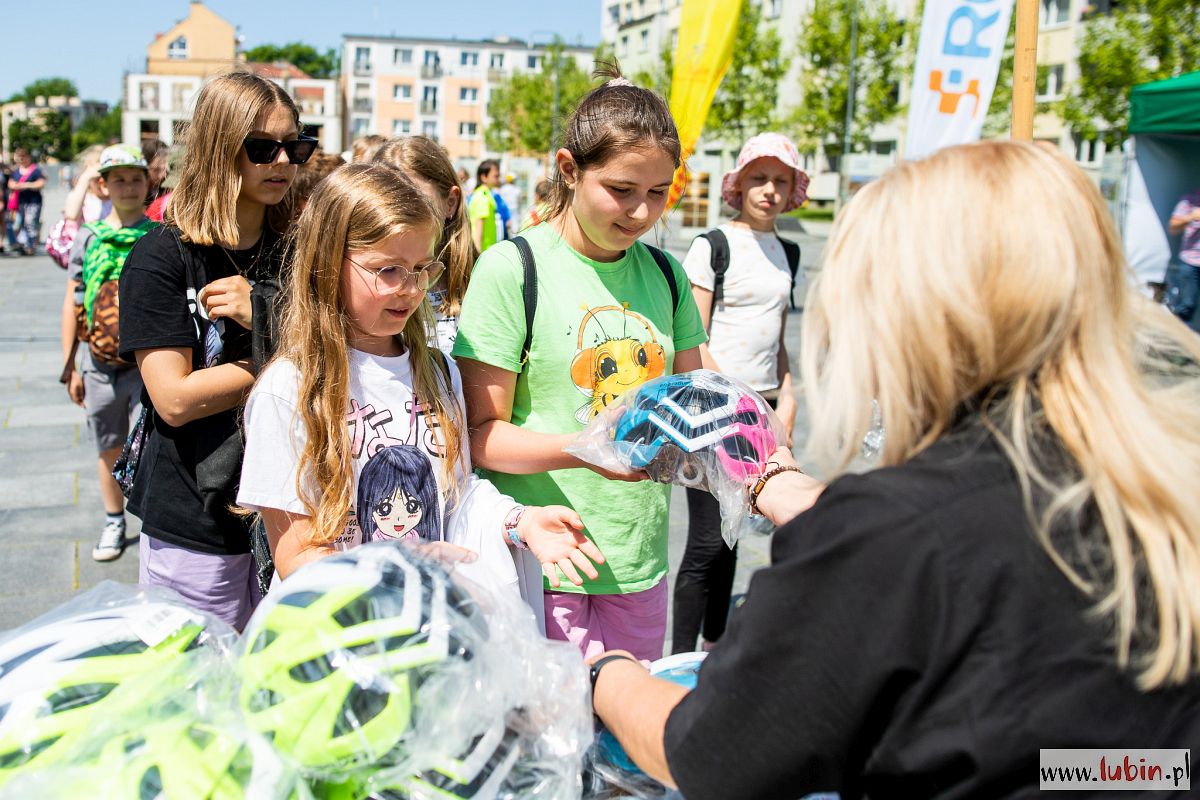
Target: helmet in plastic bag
{"x": 672, "y": 420}
{"x": 54, "y": 677}
{"x": 334, "y": 656}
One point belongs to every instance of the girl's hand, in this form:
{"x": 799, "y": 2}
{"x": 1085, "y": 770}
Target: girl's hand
{"x": 785, "y": 409}
{"x": 629, "y": 476}
{"x": 448, "y": 554}
{"x": 75, "y": 388}
{"x": 228, "y": 298}
{"x": 555, "y": 536}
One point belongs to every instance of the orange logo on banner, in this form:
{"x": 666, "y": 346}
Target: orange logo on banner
{"x": 948, "y": 101}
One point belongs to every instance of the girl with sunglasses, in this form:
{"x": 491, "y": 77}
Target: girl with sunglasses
{"x": 188, "y": 319}
{"x": 355, "y": 431}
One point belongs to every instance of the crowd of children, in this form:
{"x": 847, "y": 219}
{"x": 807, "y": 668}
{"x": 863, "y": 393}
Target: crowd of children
{"x": 320, "y": 354}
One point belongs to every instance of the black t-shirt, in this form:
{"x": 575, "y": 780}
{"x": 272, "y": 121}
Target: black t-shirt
{"x": 157, "y": 311}
{"x": 912, "y": 639}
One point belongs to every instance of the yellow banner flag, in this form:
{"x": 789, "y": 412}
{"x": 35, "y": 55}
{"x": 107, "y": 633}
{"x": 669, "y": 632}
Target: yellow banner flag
{"x": 707, "y": 29}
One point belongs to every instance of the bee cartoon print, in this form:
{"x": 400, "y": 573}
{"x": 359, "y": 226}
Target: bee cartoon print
{"x": 398, "y": 496}
{"x": 616, "y": 351}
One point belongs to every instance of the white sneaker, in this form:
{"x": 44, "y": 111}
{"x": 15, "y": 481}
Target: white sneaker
{"x": 111, "y": 544}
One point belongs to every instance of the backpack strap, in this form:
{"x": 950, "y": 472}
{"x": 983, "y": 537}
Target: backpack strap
{"x": 528, "y": 292}
{"x": 664, "y": 265}
{"x": 719, "y": 260}
{"x": 792, "y": 251}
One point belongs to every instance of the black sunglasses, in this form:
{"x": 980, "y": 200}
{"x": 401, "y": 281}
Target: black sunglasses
{"x": 264, "y": 151}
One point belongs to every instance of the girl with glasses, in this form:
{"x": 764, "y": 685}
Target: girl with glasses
{"x": 425, "y": 163}
{"x": 191, "y": 321}
{"x": 356, "y": 431}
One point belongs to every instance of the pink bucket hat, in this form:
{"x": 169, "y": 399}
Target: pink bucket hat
{"x": 774, "y": 145}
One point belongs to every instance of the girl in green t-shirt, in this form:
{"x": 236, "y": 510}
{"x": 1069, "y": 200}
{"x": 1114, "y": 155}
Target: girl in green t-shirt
{"x": 607, "y": 319}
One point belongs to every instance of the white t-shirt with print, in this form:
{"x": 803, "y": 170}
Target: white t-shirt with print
{"x": 398, "y": 490}
{"x": 744, "y": 333}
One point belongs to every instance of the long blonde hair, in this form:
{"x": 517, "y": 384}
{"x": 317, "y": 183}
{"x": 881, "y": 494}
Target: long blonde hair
{"x": 425, "y": 158}
{"x": 354, "y": 207}
{"x": 203, "y": 206}
{"x": 990, "y": 276}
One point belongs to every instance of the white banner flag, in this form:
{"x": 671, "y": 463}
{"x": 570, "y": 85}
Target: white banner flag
{"x": 961, "y": 44}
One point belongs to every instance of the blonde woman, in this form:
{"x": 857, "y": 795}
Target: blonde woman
{"x": 356, "y": 431}
{"x": 1020, "y": 573}
{"x": 425, "y": 162}
{"x": 187, "y": 316}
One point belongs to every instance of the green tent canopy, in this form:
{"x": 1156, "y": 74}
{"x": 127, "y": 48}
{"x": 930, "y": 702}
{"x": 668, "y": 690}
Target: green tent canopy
{"x": 1169, "y": 106}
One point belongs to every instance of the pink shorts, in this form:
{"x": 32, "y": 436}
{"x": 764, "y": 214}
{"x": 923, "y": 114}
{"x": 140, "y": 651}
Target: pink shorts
{"x": 594, "y": 623}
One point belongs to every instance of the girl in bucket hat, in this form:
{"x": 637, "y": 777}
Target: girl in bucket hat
{"x": 742, "y": 276}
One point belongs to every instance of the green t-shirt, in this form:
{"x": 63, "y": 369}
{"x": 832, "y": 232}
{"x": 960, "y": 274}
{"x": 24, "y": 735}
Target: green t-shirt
{"x": 600, "y": 330}
{"x": 483, "y": 206}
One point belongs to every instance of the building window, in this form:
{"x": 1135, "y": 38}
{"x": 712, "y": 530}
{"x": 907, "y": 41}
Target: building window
{"x": 432, "y": 59}
{"x": 401, "y": 55}
{"x": 362, "y": 60}
{"x": 401, "y": 127}
{"x": 773, "y": 8}
{"x": 469, "y": 58}
{"x": 468, "y": 94}
{"x": 532, "y": 62}
{"x": 1050, "y": 81}
{"x": 358, "y": 126}
{"x": 1055, "y": 12}
{"x": 429, "y": 94}
{"x": 1087, "y": 151}
{"x": 148, "y": 96}
{"x": 178, "y": 48}
{"x": 645, "y": 41}
{"x": 468, "y": 130}
{"x": 497, "y": 61}
{"x": 402, "y": 91}
{"x": 429, "y": 128}
{"x": 614, "y": 14}
{"x": 624, "y": 51}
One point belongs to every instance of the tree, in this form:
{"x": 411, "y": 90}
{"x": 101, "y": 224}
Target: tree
{"x": 1138, "y": 41}
{"x": 745, "y": 101}
{"x": 304, "y": 56}
{"x": 45, "y": 135}
{"x": 47, "y": 87}
{"x": 522, "y": 107}
{"x": 824, "y": 50}
{"x": 97, "y": 129}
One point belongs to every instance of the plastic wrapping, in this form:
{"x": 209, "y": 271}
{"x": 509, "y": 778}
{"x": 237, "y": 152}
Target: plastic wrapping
{"x": 377, "y": 672}
{"x": 611, "y": 773}
{"x": 92, "y": 660}
{"x": 698, "y": 429}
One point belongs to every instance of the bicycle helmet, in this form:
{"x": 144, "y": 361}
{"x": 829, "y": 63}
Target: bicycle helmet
{"x": 335, "y": 655}
{"x": 54, "y": 677}
{"x": 673, "y": 422}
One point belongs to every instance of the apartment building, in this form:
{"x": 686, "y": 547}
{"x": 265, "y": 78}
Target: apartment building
{"x": 73, "y": 108}
{"x": 156, "y": 103}
{"x": 395, "y": 86}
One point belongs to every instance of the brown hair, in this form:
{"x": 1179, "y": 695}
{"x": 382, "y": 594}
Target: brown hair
{"x": 357, "y": 206}
{"x": 310, "y": 174}
{"x": 611, "y": 118}
{"x": 422, "y": 156}
{"x": 203, "y": 206}
{"x": 364, "y": 148}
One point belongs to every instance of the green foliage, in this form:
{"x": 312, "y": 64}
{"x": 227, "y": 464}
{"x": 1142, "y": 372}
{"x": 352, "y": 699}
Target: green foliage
{"x": 46, "y": 87}
{"x": 745, "y": 102}
{"x": 304, "y": 56}
{"x": 97, "y": 129}
{"x": 522, "y": 108}
{"x": 46, "y": 135}
{"x": 1140, "y": 41}
{"x": 824, "y": 50}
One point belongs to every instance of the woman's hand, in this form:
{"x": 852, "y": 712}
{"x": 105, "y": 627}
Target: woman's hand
{"x": 555, "y": 536}
{"x": 75, "y": 388}
{"x": 228, "y": 298}
{"x": 787, "y": 494}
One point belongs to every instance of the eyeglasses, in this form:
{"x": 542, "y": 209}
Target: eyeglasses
{"x": 391, "y": 279}
{"x": 264, "y": 151}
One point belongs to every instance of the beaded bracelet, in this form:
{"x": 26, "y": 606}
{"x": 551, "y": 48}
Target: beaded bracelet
{"x": 762, "y": 481}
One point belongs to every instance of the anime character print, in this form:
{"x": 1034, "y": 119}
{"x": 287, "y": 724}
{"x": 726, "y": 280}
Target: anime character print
{"x": 398, "y": 496}
{"x": 616, "y": 351}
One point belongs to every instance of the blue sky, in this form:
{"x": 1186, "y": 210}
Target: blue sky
{"x": 95, "y": 43}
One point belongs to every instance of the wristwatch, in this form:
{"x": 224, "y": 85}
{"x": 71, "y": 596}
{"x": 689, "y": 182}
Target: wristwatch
{"x": 594, "y": 671}
{"x": 510, "y": 528}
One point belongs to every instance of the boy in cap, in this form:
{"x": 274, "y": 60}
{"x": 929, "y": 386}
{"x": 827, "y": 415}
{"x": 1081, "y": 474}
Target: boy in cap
{"x": 107, "y": 387}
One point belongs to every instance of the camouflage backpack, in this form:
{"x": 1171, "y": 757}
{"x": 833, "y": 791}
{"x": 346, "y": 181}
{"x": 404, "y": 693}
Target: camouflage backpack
{"x": 102, "y": 263}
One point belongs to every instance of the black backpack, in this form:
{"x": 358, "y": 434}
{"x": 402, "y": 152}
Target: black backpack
{"x": 529, "y": 287}
{"x": 720, "y": 262}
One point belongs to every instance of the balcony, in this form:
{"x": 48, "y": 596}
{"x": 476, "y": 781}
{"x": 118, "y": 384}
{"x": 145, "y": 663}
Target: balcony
{"x": 362, "y": 68}
{"x": 429, "y": 106}
{"x": 495, "y": 75}
{"x": 430, "y": 71}
{"x": 362, "y": 104}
